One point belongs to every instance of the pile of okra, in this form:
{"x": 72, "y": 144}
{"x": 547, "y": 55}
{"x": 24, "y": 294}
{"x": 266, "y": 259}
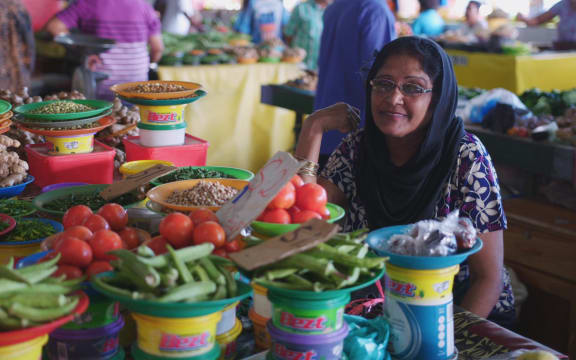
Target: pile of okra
{"x": 30, "y": 296}
{"x": 189, "y": 274}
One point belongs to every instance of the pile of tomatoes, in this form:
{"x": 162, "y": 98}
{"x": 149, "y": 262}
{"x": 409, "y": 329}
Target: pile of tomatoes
{"x": 88, "y": 236}
{"x": 201, "y": 226}
{"x": 297, "y": 203}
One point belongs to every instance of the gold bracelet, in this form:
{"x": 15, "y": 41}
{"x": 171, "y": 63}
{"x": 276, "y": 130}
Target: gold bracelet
{"x": 309, "y": 168}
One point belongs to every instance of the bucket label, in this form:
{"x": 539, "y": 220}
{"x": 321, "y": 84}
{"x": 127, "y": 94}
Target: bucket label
{"x": 172, "y": 342}
{"x": 160, "y": 118}
{"x": 401, "y": 288}
{"x": 420, "y": 331}
{"x": 304, "y": 324}
{"x": 283, "y": 353}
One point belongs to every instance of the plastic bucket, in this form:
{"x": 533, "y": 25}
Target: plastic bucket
{"x": 227, "y": 342}
{"x": 176, "y": 337}
{"x": 28, "y": 350}
{"x": 261, "y": 335}
{"x": 419, "y": 309}
{"x": 228, "y": 320}
{"x": 17, "y": 251}
{"x": 305, "y": 316}
{"x": 162, "y": 135}
{"x": 134, "y": 167}
{"x": 138, "y": 354}
{"x": 101, "y": 312}
{"x": 162, "y": 115}
{"x": 293, "y": 346}
{"x": 262, "y": 306}
{"x": 98, "y": 343}
{"x": 78, "y": 144}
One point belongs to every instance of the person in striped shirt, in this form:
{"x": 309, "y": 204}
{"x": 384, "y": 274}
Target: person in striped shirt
{"x": 133, "y": 24}
{"x": 304, "y": 29}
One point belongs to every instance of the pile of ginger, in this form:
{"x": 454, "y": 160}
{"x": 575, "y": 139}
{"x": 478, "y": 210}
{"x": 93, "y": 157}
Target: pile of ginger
{"x": 13, "y": 171}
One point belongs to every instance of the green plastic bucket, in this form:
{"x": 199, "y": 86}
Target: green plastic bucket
{"x": 306, "y": 316}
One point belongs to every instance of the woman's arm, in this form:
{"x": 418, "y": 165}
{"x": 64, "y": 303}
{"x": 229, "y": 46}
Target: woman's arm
{"x": 486, "y": 268}
{"x": 156, "y": 47}
{"x": 538, "y": 20}
{"x": 56, "y": 27}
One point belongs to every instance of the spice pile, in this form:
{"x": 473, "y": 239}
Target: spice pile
{"x": 13, "y": 170}
{"x": 150, "y": 88}
{"x": 62, "y": 107}
{"x": 190, "y": 172}
{"x": 204, "y": 193}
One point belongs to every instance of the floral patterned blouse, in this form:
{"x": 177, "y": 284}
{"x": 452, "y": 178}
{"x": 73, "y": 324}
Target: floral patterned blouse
{"x": 473, "y": 188}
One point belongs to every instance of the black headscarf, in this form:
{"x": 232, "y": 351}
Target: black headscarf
{"x": 401, "y": 195}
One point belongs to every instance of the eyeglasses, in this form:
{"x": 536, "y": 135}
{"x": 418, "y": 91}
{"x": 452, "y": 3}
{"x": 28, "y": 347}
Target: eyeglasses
{"x": 386, "y": 86}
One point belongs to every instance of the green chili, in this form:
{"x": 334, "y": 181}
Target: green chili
{"x": 27, "y": 230}
{"x": 91, "y": 199}
{"x": 189, "y": 172}
{"x": 16, "y": 208}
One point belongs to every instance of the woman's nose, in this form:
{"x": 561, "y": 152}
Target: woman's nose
{"x": 395, "y": 97}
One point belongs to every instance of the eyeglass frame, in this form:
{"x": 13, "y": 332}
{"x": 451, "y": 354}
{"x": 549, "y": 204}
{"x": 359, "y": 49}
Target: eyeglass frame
{"x": 396, "y": 85}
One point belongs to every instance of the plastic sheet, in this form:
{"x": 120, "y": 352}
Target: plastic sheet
{"x": 367, "y": 339}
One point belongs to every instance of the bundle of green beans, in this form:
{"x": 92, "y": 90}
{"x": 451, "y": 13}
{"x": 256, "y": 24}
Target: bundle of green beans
{"x": 30, "y": 297}
{"x": 189, "y": 172}
{"x": 91, "y": 199}
{"x": 27, "y": 230}
{"x": 343, "y": 261}
{"x": 15, "y": 208}
{"x": 187, "y": 275}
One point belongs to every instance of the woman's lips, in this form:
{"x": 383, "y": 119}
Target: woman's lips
{"x": 393, "y": 114}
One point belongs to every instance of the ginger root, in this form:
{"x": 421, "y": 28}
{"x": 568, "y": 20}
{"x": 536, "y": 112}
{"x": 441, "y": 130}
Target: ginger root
{"x": 9, "y": 142}
{"x": 13, "y": 170}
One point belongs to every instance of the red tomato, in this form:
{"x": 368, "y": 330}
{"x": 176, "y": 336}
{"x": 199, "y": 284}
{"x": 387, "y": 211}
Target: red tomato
{"x": 79, "y": 231}
{"x": 293, "y": 210}
{"x": 210, "y": 232}
{"x": 285, "y": 198}
{"x": 76, "y": 215}
{"x": 98, "y": 267}
{"x": 297, "y": 181}
{"x": 177, "y": 229}
{"x": 49, "y": 256}
{"x": 96, "y": 222}
{"x": 115, "y": 215}
{"x": 71, "y": 272}
{"x": 305, "y": 215}
{"x": 130, "y": 237}
{"x": 200, "y": 215}
{"x": 104, "y": 241}
{"x": 234, "y": 245}
{"x": 311, "y": 197}
{"x": 158, "y": 245}
{"x": 74, "y": 252}
{"x": 324, "y": 212}
{"x": 220, "y": 252}
{"x": 277, "y": 216}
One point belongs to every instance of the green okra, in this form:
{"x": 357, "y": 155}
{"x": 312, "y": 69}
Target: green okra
{"x": 40, "y": 266}
{"x": 186, "y": 254}
{"x": 144, "y": 275}
{"x": 231, "y": 286}
{"x": 14, "y": 323}
{"x": 9, "y": 274}
{"x": 188, "y": 290}
{"x": 212, "y": 271}
{"x": 110, "y": 288}
{"x": 36, "y": 314}
{"x": 145, "y": 251}
{"x": 45, "y": 301}
{"x": 170, "y": 277}
{"x": 200, "y": 273}
{"x": 275, "y": 274}
{"x": 328, "y": 252}
{"x": 185, "y": 274}
{"x": 220, "y": 292}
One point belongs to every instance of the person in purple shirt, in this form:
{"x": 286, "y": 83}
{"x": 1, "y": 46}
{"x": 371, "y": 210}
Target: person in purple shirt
{"x": 353, "y": 32}
{"x": 133, "y": 24}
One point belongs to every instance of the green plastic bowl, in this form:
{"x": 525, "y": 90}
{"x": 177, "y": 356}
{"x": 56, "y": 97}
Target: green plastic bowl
{"x": 174, "y": 310}
{"x": 27, "y": 207}
{"x": 5, "y": 106}
{"x": 271, "y": 229}
{"x": 100, "y": 106}
{"x": 236, "y": 173}
{"x": 41, "y": 200}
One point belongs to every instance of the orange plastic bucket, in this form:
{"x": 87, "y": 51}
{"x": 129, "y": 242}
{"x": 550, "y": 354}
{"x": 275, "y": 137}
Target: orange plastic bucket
{"x": 261, "y": 335}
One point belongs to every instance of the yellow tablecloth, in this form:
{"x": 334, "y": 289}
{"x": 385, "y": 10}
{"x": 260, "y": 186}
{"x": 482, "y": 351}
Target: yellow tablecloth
{"x": 546, "y": 71}
{"x": 242, "y": 132}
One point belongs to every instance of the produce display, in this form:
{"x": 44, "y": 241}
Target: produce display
{"x": 3, "y": 225}
{"x": 549, "y": 103}
{"x": 341, "y": 262}
{"x": 62, "y": 107}
{"x": 297, "y": 203}
{"x": 91, "y": 199}
{"x": 191, "y": 172}
{"x": 13, "y": 170}
{"x": 29, "y": 229}
{"x": 16, "y": 208}
{"x": 204, "y": 193}
{"x": 151, "y": 87}
{"x": 308, "y": 81}
{"x": 32, "y": 295}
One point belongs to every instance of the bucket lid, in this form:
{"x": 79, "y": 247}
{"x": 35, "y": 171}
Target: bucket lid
{"x": 213, "y": 354}
{"x": 99, "y": 332}
{"x": 178, "y": 126}
{"x": 278, "y": 335}
{"x": 339, "y": 300}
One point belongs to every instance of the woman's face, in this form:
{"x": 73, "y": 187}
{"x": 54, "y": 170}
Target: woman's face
{"x": 395, "y": 113}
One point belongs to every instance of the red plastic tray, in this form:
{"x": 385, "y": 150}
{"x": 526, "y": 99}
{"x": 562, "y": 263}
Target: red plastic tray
{"x": 192, "y": 153}
{"x": 96, "y": 167}
{"x": 17, "y": 336}
{"x": 10, "y": 221}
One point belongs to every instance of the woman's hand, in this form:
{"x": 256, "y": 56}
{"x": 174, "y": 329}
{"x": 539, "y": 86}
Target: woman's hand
{"x": 340, "y": 116}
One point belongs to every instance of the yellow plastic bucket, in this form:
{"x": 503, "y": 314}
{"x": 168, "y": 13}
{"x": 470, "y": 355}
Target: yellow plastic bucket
{"x": 176, "y": 337}
{"x": 28, "y": 350}
{"x": 420, "y": 312}
{"x": 227, "y": 342}
{"x": 262, "y": 306}
{"x": 134, "y": 167}
{"x": 17, "y": 251}
{"x": 162, "y": 115}
{"x": 79, "y": 144}
{"x": 228, "y": 320}
{"x": 261, "y": 335}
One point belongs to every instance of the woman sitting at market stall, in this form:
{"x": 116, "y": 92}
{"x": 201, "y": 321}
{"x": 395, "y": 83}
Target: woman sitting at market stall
{"x": 415, "y": 161}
